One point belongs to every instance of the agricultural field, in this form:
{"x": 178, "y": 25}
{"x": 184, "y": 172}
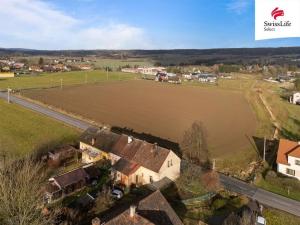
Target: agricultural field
{"x": 66, "y": 78}
{"x": 162, "y": 110}
{"x": 23, "y": 132}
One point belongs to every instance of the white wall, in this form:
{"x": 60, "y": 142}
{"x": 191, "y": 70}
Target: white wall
{"x": 291, "y": 160}
{"x": 296, "y": 97}
{"x": 172, "y": 172}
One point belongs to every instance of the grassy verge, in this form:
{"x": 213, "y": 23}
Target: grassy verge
{"x": 275, "y": 217}
{"x": 67, "y": 78}
{"x": 23, "y": 131}
{"x": 284, "y": 186}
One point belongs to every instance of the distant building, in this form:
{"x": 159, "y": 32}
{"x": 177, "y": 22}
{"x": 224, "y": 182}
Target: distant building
{"x": 288, "y": 158}
{"x": 35, "y": 68}
{"x": 295, "y": 98}
{"x": 7, "y": 75}
{"x": 207, "y": 78}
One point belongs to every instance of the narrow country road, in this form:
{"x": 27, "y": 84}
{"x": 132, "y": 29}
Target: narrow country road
{"x": 48, "y": 112}
{"x": 264, "y": 197}
{"x": 231, "y": 184}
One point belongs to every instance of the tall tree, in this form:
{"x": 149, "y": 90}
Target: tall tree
{"x": 297, "y": 84}
{"x": 194, "y": 144}
{"x": 21, "y": 193}
{"x": 41, "y": 61}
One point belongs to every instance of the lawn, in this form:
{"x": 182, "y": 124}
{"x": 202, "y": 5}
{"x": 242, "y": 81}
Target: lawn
{"x": 67, "y": 78}
{"x": 276, "y": 217}
{"x": 23, "y": 131}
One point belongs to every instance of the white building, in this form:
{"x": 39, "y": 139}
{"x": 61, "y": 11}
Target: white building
{"x": 295, "y": 98}
{"x": 288, "y": 158}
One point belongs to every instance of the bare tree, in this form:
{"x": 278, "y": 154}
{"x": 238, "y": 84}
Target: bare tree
{"x": 21, "y": 199}
{"x": 210, "y": 180}
{"x": 194, "y": 145}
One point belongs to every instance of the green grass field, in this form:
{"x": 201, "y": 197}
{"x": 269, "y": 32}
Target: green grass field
{"x": 115, "y": 63}
{"x": 23, "y": 131}
{"x": 68, "y": 78}
{"x": 276, "y": 217}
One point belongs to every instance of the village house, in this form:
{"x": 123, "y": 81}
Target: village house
{"x": 288, "y": 158}
{"x": 35, "y": 68}
{"x": 139, "y": 162}
{"x": 133, "y": 161}
{"x": 67, "y": 183}
{"x": 95, "y": 144}
{"x": 295, "y": 98}
{"x": 153, "y": 209}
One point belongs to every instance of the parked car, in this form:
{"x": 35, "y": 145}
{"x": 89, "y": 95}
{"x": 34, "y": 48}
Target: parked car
{"x": 117, "y": 193}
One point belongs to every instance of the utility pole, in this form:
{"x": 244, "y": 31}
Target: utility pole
{"x": 264, "y": 149}
{"x": 106, "y": 73}
{"x": 8, "y": 94}
{"x": 61, "y": 83}
{"x": 214, "y": 164}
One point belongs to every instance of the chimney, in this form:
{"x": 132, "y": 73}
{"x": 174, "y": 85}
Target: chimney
{"x": 96, "y": 221}
{"x": 132, "y": 211}
{"x": 93, "y": 141}
{"x": 129, "y": 139}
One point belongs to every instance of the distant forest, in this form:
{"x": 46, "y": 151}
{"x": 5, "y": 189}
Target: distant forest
{"x": 244, "y": 56}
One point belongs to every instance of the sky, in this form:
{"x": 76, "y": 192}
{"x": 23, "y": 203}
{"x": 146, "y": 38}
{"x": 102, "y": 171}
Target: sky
{"x": 130, "y": 24}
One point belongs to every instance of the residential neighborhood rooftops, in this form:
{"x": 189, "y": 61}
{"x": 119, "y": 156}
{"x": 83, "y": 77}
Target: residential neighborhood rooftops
{"x": 154, "y": 209}
{"x": 287, "y": 148}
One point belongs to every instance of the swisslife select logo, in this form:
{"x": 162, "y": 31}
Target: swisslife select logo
{"x": 277, "y": 19}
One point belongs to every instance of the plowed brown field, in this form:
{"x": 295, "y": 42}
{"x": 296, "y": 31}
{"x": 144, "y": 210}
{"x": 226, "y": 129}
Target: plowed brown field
{"x": 160, "y": 109}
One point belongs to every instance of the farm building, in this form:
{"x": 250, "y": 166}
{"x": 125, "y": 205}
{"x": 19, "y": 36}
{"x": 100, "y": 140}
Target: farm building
{"x": 7, "y": 75}
{"x": 295, "y": 98}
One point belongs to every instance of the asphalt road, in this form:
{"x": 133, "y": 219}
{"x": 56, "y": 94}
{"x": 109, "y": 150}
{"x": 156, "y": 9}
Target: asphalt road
{"x": 264, "y": 197}
{"x": 48, "y": 112}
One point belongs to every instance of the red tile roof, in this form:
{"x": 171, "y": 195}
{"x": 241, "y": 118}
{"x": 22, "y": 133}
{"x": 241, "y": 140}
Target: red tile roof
{"x": 150, "y": 156}
{"x": 287, "y": 148}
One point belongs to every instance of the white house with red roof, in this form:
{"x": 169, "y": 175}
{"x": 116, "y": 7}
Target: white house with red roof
{"x": 288, "y": 158}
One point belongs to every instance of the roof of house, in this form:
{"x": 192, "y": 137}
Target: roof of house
{"x": 124, "y": 218}
{"x": 71, "y": 177}
{"x": 154, "y": 209}
{"x": 287, "y": 148}
{"x": 150, "y": 156}
{"x": 126, "y": 167}
{"x": 103, "y": 138}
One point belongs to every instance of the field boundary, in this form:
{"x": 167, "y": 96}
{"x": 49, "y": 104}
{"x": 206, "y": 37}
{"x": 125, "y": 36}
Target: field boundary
{"x": 63, "y": 112}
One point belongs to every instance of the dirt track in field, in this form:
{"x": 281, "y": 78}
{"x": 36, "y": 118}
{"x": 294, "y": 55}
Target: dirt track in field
{"x": 160, "y": 109}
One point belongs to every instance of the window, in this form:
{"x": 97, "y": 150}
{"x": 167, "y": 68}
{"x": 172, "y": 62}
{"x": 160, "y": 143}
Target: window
{"x": 151, "y": 179}
{"x": 290, "y": 172}
{"x": 297, "y": 162}
{"x": 168, "y": 163}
